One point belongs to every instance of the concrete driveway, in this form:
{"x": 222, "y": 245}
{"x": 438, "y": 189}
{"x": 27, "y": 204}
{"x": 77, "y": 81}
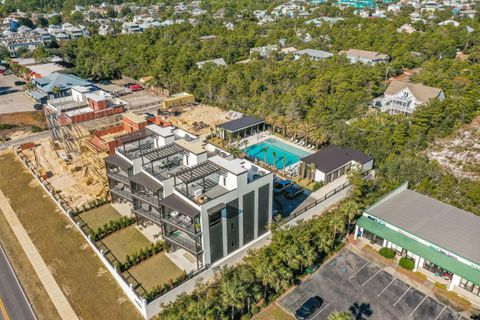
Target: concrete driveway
{"x": 16, "y": 100}
{"x": 350, "y": 281}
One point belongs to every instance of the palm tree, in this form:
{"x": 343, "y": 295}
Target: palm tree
{"x": 313, "y": 170}
{"x": 245, "y": 145}
{"x": 319, "y": 137}
{"x": 293, "y": 129}
{"x": 360, "y": 311}
{"x": 337, "y": 315}
{"x": 338, "y": 225}
{"x": 265, "y": 150}
{"x": 350, "y": 210}
{"x": 306, "y": 129}
{"x": 229, "y": 137}
{"x": 274, "y": 154}
{"x": 56, "y": 90}
{"x": 284, "y": 163}
{"x": 233, "y": 293}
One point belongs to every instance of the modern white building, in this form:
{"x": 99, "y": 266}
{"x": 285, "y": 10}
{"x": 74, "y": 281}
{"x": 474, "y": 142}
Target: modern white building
{"x": 403, "y": 97}
{"x": 205, "y": 201}
{"x": 442, "y": 240}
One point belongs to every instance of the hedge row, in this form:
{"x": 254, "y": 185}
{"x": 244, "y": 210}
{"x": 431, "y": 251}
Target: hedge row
{"x": 111, "y": 227}
{"x": 159, "y": 290}
{"x": 141, "y": 255}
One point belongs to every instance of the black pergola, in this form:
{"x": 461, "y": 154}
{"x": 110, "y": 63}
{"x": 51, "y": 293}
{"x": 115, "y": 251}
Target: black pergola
{"x": 163, "y": 153}
{"x": 200, "y": 172}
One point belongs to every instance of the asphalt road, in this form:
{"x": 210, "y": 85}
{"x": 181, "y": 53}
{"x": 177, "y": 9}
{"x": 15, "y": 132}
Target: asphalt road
{"x": 31, "y": 138}
{"x": 13, "y": 302}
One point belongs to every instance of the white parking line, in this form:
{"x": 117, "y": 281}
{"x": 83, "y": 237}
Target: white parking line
{"x": 438, "y": 316}
{"x": 320, "y": 311}
{"x": 402, "y": 296}
{"x": 460, "y": 317}
{"x": 371, "y": 278}
{"x": 353, "y": 275}
{"x": 388, "y": 285}
{"x": 418, "y": 306}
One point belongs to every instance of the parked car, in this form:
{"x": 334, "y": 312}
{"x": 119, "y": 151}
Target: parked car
{"x": 281, "y": 185}
{"x": 38, "y": 106}
{"x": 20, "y": 83}
{"x": 135, "y": 87}
{"x": 7, "y": 72}
{"x": 308, "y": 308}
{"x": 5, "y": 91}
{"x": 292, "y": 191}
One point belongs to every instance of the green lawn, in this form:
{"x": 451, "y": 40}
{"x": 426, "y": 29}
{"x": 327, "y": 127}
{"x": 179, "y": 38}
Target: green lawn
{"x": 89, "y": 287}
{"x": 126, "y": 241}
{"x": 155, "y": 271}
{"x": 273, "y": 312}
{"x": 97, "y": 217}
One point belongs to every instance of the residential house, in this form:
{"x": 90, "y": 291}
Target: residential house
{"x": 56, "y": 85}
{"x": 368, "y": 57}
{"x": 313, "y": 54}
{"x": 217, "y": 62}
{"x": 406, "y": 28}
{"x": 130, "y": 27}
{"x": 403, "y": 97}
{"x": 264, "y": 51}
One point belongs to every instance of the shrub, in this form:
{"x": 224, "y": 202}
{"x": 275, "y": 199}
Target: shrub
{"x": 111, "y": 227}
{"x": 141, "y": 255}
{"x": 387, "y": 253}
{"x": 407, "y": 263}
{"x": 36, "y": 128}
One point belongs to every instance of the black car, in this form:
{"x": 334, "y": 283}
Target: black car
{"x": 308, "y": 308}
{"x": 20, "y": 83}
{"x": 38, "y": 106}
{"x": 292, "y": 191}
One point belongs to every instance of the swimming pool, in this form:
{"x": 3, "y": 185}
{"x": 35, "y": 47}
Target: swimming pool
{"x": 292, "y": 155}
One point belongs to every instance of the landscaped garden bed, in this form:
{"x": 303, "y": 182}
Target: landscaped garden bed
{"x": 126, "y": 241}
{"x": 97, "y": 217}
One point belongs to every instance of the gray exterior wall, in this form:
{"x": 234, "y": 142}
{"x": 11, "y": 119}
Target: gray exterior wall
{"x": 248, "y": 217}
{"x": 216, "y": 242}
{"x": 263, "y": 208}
{"x": 233, "y": 228}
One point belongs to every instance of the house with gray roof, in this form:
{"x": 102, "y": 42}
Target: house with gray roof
{"x": 332, "y": 162}
{"x": 313, "y": 54}
{"x": 56, "y": 85}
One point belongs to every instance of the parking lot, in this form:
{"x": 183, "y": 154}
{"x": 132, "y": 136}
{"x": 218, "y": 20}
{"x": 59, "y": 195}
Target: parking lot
{"x": 284, "y": 206}
{"x": 349, "y": 281}
{"x": 16, "y": 100}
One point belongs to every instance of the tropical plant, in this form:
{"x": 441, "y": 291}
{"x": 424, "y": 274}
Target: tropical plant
{"x": 337, "y": 315}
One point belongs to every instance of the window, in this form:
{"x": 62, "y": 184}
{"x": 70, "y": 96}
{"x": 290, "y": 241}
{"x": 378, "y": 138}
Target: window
{"x": 397, "y": 249}
{"x": 432, "y": 267}
{"x": 470, "y": 286}
{"x": 233, "y": 244}
{"x": 232, "y": 226}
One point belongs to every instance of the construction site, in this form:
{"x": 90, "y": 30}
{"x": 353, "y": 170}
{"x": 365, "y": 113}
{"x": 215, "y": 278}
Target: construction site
{"x": 88, "y": 126}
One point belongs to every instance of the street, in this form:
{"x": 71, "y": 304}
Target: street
{"x": 13, "y": 302}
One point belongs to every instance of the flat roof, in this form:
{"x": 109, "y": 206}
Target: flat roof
{"x": 446, "y": 226}
{"x": 195, "y": 146}
{"x": 240, "y": 123}
{"x": 333, "y": 157}
{"x": 161, "y": 131}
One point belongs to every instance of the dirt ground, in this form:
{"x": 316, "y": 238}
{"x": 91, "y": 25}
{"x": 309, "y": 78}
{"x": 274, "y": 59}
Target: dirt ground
{"x": 209, "y": 115}
{"x": 89, "y": 287}
{"x": 76, "y": 184}
{"x": 460, "y": 153}
{"x": 23, "y": 122}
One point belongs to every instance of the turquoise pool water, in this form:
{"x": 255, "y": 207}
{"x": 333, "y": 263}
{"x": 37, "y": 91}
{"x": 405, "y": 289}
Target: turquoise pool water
{"x": 292, "y": 154}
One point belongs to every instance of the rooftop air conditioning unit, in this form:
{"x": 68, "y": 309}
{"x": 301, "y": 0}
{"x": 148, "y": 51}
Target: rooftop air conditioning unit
{"x": 197, "y": 192}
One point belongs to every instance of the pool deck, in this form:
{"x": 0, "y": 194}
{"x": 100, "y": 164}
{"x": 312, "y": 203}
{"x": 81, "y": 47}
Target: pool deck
{"x": 262, "y": 136}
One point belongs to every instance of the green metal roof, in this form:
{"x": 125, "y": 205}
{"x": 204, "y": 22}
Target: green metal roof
{"x": 428, "y": 253}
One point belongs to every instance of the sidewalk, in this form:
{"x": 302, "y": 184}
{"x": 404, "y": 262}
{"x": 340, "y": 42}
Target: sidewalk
{"x": 56, "y": 295}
